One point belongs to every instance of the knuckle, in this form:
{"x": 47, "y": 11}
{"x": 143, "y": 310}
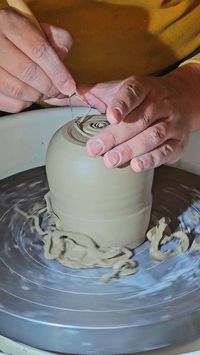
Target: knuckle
{"x": 58, "y": 71}
{"x": 166, "y": 150}
{"x": 29, "y": 72}
{"x": 146, "y": 119}
{"x": 158, "y": 134}
{"x": 169, "y": 106}
{"x": 152, "y": 161}
{"x": 16, "y": 92}
{"x": 52, "y": 91}
{"x": 132, "y": 79}
{"x": 147, "y": 116}
{"x": 127, "y": 151}
{"x": 40, "y": 49}
{"x": 111, "y": 138}
{"x": 133, "y": 87}
{"x": 59, "y": 74}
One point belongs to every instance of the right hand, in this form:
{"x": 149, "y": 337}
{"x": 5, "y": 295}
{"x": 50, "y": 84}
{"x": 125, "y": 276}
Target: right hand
{"x": 31, "y": 66}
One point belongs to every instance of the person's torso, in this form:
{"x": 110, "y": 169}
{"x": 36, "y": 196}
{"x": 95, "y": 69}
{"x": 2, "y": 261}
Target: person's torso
{"x": 116, "y": 38}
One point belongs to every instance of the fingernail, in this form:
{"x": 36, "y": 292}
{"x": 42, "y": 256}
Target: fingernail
{"x": 114, "y": 115}
{"x": 64, "y": 49}
{"x": 117, "y": 112}
{"x": 113, "y": 158}
{"x": 95, "y": 147}
{"x": 69, "y": 87}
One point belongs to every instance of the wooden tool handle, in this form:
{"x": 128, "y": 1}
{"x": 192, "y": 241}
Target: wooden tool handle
{"x": 22, "y": 7}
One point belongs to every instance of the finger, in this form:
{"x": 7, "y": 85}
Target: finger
{"x": 82, "y": 100}
{"x": 137, "y": 121}
{"x": 74, "y": 101}
{"x": 25, "y": 69}
{"x": 32, "y": 42}
{"x": 60, "y": 40}
{"x": 10, "y": 105}
{"x": 130, "y": 95}
{"x": 144, "y": 142}
{"x": 169, "y": 152}
{"x": 99, "y": 95}
{"x": 92, "y": 100}
{"x": 16, "y": 89}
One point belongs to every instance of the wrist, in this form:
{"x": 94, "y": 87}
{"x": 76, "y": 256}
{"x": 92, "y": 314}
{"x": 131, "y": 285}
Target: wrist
{"x": 185, "y": 82}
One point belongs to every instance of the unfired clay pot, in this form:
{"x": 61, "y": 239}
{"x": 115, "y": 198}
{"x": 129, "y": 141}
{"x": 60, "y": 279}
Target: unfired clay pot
{"x": 110, "y": 205}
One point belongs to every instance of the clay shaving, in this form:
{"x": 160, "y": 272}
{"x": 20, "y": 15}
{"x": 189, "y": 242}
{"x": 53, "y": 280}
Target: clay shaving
{"x": 158, "y": 237}
{"x": 77, "y": 250}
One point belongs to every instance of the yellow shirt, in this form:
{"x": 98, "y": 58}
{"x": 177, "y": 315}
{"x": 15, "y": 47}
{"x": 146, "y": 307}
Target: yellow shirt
{"x": 117, "y": 38}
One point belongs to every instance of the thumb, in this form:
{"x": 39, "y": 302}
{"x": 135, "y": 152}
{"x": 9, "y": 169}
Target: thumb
{"x": 59, "y": 39}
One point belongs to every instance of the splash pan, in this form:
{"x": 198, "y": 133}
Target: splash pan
{"x": 54, "y": 308}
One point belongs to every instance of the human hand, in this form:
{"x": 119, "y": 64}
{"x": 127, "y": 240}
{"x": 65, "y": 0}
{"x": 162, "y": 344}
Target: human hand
{"x": 150, "y": 117}
{"x": 31, "y": 67}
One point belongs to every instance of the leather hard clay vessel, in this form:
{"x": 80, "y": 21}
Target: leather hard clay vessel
{"x": 112, "y": 206}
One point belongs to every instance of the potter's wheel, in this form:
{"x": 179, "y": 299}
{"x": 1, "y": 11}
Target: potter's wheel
{"x": 54, "y": 308}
